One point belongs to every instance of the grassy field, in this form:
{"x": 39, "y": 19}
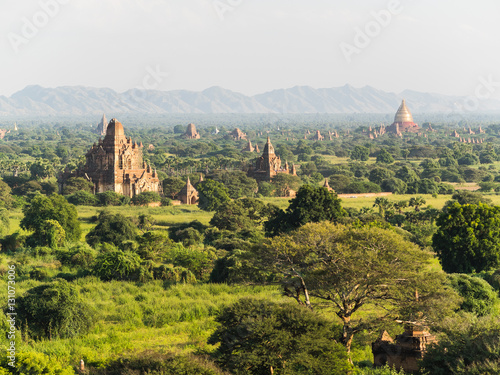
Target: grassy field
{"x": 131, "y": 318}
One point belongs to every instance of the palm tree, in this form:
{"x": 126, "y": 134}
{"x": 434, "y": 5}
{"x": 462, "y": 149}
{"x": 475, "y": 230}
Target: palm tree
{"x": 400, "y": 205}
{"x": 416, "y": 202}
{"x": 383, "y": 204}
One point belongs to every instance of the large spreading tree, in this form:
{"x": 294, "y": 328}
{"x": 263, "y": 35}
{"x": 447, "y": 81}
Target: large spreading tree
{"x": 348, "y": 267}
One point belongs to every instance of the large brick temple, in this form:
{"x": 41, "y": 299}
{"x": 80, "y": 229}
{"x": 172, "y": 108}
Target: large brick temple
{"x": 116, "y": 164}
{"x": 269, "y": 165}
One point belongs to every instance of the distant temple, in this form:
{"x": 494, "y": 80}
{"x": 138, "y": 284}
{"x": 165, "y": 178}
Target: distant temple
{"x": 403, "y": 121}
{"x": 116, "y": 164}
{"x": 3, "y": 133}
{"x": 317, "y": 136}
{"x": 191, "y": 132}
{"x": 188, "y": 194}
{"x": 269, "y": 165}
{"x": 249, "y": 147}
{"x": 102, "y": 126}
{"x": 237, "y": 135}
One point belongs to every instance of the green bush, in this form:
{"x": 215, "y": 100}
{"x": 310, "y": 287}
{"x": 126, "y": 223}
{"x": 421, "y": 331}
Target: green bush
{"x": 117, "y": 265}
{"x": 492, "y": 277}
{"x": 174, "y": 275}
{"x": 262, "y": 337}
{"x": 83, "y": 198}
{"x": 159, "y": 364}
{"x": 468, "y": 345}
{"x": 53, "y": 310}
{"x": 111, "y": 228}
{"x": 109, "y": 198}
{"x": 34, "y": 364}
{"x": 78, "y": 255}
{"x": 146, "y": 198}
{"x": 479, "y": 296}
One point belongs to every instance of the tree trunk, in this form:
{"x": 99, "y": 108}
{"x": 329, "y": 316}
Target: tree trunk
{"x": 304, "y": 289}
{"x": 347, "y": 335}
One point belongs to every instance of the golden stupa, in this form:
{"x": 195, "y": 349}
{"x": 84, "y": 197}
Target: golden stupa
{"x": 403, "y": 114}
{"x": 403, "y": 121}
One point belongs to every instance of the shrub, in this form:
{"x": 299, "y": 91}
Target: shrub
{"x": 262, "y": 337}
{"x": 83, "y": 198}
{"x": 111, "y": 228}
{"x": 145, "y": 198}
{"x": 159, "y": 364}
{"x": 80, "y": 255}
{"x": 479, "y": 296}
{"x": 117, "y": 265}
{"x": 34, "y": 364}
{"x": 53, "y": 310}
{"x": 46, "y": 216}
{"x": 173, "y": 274}
{"x": 109, "y": 198}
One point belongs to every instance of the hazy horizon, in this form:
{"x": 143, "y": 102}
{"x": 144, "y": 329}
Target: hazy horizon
{"x": 252, "y": 47}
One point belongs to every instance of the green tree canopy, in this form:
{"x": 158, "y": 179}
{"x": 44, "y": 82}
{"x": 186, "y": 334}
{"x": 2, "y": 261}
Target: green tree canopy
{"x": 237, "y": 183}
{"x": 468, "y": 345}
{"x": 6, "y": 199}
{"x": 479, "y": 297}
{"x": 468, "y": 238}
{"x": 146, "y": 197}
{"x": 74, "y": 184}
{"x": 384, "y": 157}
{"x": 111, "y": 228}
{"x": 262, "y": 337}
{"x": 283, "y": 183}
{"x": 360, "y": 153}
{"x": 312, "y": 204}
{"x": 172, "y": 186}
{"x": 377, "y": 175}
{"x": 83, "y": 198}
{"x": 242, "y": 214}
{"x": 212, "y": 195}
{"x": 348, "y": 267}
{"x": 55, "y": 207}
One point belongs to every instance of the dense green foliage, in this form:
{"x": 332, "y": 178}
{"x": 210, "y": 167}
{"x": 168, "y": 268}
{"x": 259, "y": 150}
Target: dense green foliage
{"x": 111, "y": 228}
{"x": 468, "y": 346}
{"x": 212, "y": 195}
{"x": 39, "y": 217}
{"x": 117, "y": 265}
{"x": 348, "y": 267}
{"x": 163, "y": 301}
{"x": 479, "y": 297}
{"x": 260, "y": 337}
{"x": 53, "y": 310}
{"x": 312, "y": 204}
{"x": 158, "y": 364}
{"x": 468, "y": 238}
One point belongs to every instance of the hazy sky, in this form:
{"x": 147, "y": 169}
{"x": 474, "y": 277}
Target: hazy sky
{"x": 251, "y": 46}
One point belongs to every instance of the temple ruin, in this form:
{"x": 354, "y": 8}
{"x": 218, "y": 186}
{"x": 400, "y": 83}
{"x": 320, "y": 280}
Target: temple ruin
{"x": 116, "y": 164}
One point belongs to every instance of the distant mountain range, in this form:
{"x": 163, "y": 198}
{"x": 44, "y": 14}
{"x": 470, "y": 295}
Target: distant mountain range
{"x": 79, "y": 100}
